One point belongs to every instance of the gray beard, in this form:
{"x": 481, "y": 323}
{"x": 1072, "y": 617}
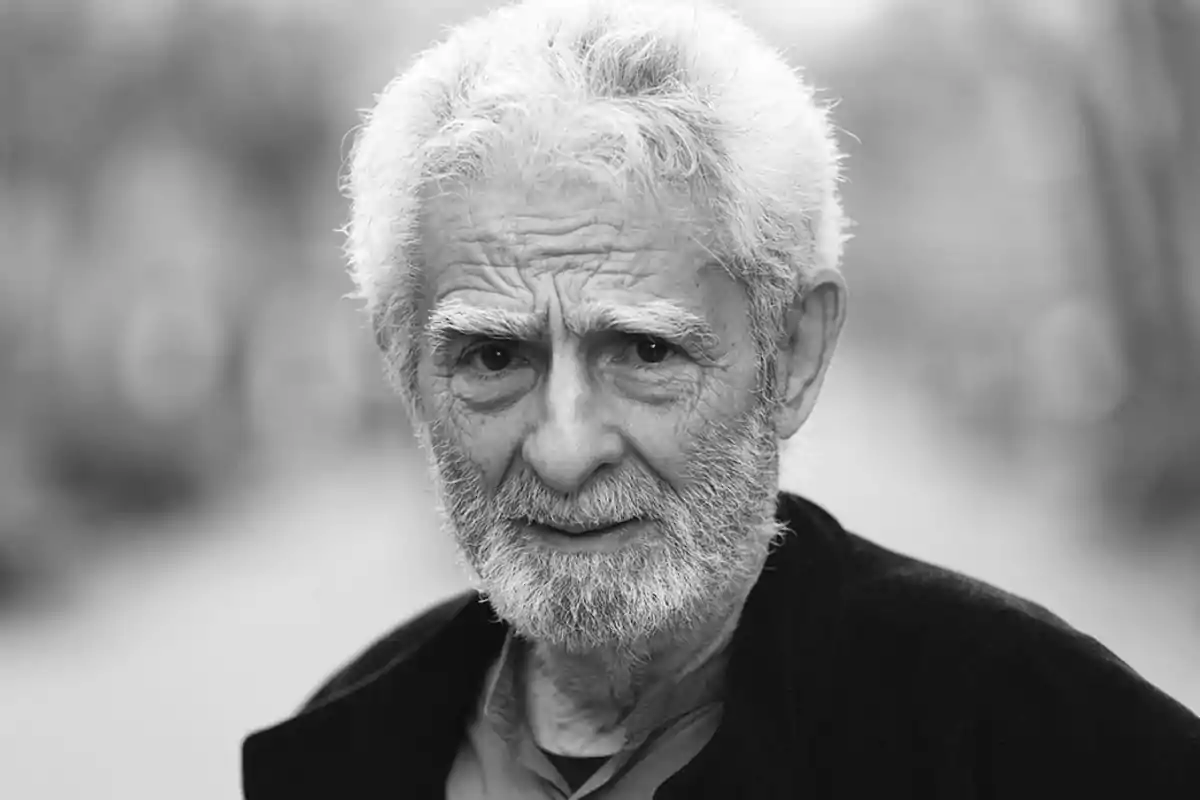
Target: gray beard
{"x": 695, "y": 562}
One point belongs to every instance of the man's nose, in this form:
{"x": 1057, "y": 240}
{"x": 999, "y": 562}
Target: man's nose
{"x": 570, "y": 442}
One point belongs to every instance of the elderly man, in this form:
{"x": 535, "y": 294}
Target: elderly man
{"x": 600, "y": 244}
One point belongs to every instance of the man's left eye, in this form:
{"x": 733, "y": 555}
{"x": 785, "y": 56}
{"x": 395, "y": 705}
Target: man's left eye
{"x": 651, "y": 350}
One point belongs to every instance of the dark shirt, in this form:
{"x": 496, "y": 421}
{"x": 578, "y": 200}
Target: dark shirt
{"x": 854, "y": 672}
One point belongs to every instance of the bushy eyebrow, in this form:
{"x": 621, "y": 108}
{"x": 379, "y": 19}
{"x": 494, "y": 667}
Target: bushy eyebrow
{"x": 452, "y": 319}
{"x": 661, "y": 319}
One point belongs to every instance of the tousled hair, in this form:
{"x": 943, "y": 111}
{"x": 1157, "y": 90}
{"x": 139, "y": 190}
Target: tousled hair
{"x": 639, "y": 94}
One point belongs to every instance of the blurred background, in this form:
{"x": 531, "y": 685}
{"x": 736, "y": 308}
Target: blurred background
{"x": 209, "y": 499}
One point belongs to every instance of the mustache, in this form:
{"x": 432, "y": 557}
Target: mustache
{"x": 619, "y": 497}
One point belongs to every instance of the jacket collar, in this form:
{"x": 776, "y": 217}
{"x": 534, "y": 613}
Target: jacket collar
{"x": 402, "y": 728}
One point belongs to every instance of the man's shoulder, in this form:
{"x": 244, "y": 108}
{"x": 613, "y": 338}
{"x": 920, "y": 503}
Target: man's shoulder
{"x": 1020, "y": 669}
{"x": 871, "y": 585}
{"x": 395, "y": 646}
{"x": 960, "y": 679}
{"x": 901, "y": 601}
{"x": 931, "y": 600}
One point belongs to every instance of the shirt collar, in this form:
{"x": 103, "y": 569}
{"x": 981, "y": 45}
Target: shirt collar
{"x": 503, "y": 701}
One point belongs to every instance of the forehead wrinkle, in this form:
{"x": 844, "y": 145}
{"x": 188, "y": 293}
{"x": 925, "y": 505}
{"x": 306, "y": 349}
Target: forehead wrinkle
{"x": 506, "y": 227}
{"x": 509, "y": 245}
{"x": 566, "y": 223}
{"x": 517, "y": 236}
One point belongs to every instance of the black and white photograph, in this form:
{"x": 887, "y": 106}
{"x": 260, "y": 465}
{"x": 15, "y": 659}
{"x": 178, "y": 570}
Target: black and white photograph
{"x": 599, "y": 399}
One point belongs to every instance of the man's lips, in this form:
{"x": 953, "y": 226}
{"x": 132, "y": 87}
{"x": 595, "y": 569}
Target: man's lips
{"x": 587, "y": 538}
{"x": 578, "y": 529}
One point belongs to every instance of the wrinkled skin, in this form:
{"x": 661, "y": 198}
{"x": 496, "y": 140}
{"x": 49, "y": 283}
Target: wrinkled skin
{"x": 575, "y": 424}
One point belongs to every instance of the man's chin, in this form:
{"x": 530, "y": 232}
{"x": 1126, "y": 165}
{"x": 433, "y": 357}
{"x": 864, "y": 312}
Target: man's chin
{"x": 568, "y": 638}
{"x": 591, "y": 617}
{"x": 565, "y": 612}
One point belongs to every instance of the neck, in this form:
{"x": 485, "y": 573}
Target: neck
{"x": 592, "y": 703}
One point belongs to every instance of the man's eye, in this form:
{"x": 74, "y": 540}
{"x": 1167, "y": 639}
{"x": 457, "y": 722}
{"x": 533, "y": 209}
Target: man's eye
{"x": 653, "y": 351}
{"x": 490, "y": 356}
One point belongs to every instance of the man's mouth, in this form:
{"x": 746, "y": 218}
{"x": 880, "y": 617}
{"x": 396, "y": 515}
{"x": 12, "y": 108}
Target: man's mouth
{"x": 583, "y": 537}
{"x": 578, "y": 528}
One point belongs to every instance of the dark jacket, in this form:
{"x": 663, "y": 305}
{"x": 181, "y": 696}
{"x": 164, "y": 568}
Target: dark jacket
{"x": 855, "y": 672}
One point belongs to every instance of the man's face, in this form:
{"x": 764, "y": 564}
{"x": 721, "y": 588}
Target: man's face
{"x": 589, "y": 397}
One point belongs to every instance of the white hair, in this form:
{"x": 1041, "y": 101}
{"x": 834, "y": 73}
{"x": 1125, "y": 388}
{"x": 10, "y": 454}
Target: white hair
{"x": 648, "y": 94}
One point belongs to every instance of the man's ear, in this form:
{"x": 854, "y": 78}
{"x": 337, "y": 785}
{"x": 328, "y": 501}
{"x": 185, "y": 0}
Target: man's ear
{"x": 811, "y": 329}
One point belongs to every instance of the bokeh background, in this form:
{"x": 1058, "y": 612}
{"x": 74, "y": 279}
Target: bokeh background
{"x": 208, "y": 497}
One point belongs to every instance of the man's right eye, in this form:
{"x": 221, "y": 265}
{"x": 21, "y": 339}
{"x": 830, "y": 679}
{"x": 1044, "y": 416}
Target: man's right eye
{"x": 490, "y": 356}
